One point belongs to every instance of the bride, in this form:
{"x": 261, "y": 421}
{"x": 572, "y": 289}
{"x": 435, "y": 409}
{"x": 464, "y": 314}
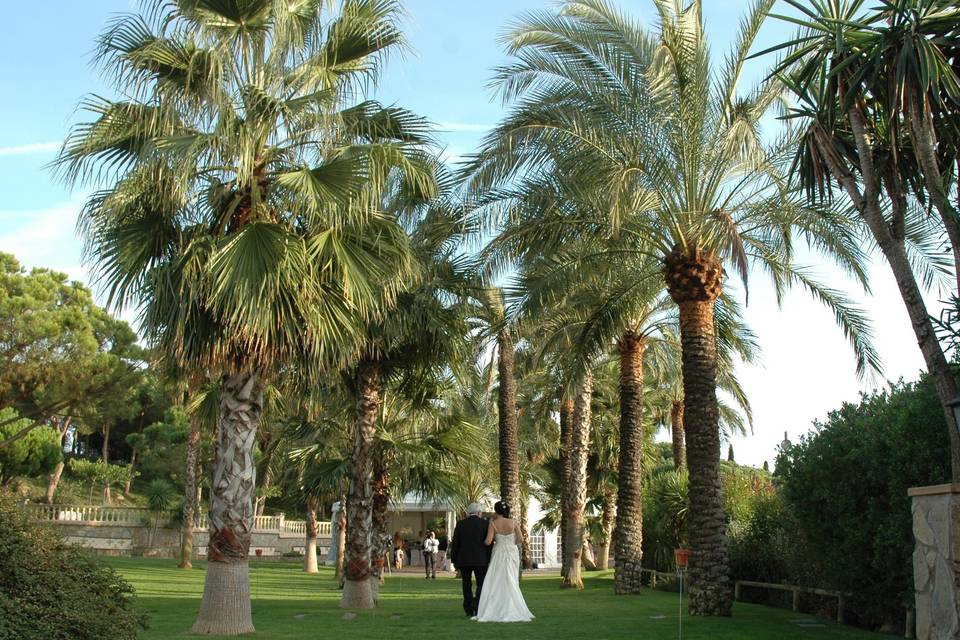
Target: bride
{"x": 501, "y": 600}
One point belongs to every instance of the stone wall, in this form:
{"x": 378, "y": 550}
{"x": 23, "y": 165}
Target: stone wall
{"x": 124, "y": 539}
{"x": 936, "y": 561}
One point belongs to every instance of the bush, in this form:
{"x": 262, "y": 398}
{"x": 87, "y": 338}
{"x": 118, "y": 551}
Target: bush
{"x": 52, "y": 591}
{"x": 846, "y": 484}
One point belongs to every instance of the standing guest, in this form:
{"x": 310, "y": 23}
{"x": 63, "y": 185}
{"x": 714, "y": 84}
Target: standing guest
{"x": 398, "y": 558}
{"x": 430, "y": 547}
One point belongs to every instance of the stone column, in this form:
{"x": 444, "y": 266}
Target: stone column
{"x": 936, "y": 561}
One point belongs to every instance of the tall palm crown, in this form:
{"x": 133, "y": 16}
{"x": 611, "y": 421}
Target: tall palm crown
{"x": 639, "y": 126}
{"x": 238, "y": 207}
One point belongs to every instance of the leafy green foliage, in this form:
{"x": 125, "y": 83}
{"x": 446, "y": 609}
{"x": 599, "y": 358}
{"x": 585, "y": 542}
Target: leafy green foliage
{"x": 61, "y": 352}
{"x": 98, "y": 472}
{"x": 37, "y": 452}
{"x": 847, "y": 485}
{"x": 746, "y": 494}
{"x": 52, "y": 591}
{"x": 162, "y": 446}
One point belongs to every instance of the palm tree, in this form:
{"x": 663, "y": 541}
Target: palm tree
{"x": 496, "y": 334}
{"x": 874, "y": 90}
{"x": 640, "y": 127}
{"x": 425, "y": 334}
{"x": 600, "y": 290}
{"x": 238, "y": 209}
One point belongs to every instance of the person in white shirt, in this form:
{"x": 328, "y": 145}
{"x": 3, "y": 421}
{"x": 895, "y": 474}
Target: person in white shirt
{"x": 430, "y": 547}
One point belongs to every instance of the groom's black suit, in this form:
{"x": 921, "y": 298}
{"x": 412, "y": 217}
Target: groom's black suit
{"x": 471, "y": 556}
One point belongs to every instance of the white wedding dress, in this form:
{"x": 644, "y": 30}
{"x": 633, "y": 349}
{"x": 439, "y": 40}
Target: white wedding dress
{"x": 500, "y": 599}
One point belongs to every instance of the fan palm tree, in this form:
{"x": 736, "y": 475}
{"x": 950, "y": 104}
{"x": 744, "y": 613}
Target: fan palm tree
{"x": 425, "y": 335}
{"x": 641, "y": 127}
{"x": 238, "y": 209}
{"x": 874, "y": 90}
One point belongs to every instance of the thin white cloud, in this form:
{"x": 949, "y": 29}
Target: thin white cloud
{"x": 27, "y": 149}
{"x": 463, "y": 126}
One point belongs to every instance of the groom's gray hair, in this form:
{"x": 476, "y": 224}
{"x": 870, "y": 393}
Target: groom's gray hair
{"x": 474, "y": 508}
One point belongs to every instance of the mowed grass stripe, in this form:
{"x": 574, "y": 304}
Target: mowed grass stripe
{"x": 288, "y": 603}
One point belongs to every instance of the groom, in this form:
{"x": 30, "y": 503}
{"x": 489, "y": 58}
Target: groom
{"x": 471, "y": 555}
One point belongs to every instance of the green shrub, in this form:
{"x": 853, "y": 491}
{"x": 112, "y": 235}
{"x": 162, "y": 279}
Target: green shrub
{"x": 52, "y": 591}
{"x": 846, "y": 483}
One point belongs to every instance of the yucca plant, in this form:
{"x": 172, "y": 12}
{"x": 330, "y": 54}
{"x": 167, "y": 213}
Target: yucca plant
{"x": 238, "y": 208}
{"x": 878, "y": 105}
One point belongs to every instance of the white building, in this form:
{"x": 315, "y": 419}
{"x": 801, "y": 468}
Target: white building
{"x": 414, "y": 515}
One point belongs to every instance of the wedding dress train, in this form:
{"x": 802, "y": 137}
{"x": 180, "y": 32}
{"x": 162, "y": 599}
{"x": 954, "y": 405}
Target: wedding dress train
{"x": 501, "y": 600}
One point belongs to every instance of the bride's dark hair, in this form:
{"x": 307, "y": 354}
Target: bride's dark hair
{"x": 502, "y": 508}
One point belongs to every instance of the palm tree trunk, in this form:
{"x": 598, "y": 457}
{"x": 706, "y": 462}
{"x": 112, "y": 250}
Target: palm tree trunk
{"x": 526, "y": 560}
{"x": 380, "y": 519}
{"x": 566, "y": 416}
{"x": 677, "y": 435}
{"x": 313, "y": 531}
{"x": 507, "y": 421}
{"x": 189, "y": 495}
{"x": 694, "y": 280}
{"x": 609, "y": 516}
{"x": 577, "y": 491}
{"x": 341, "y": 541}
{"x": 628, "y": 534}
{"x": 357, "y": 592}
{"x": 54, "y": 481}
{"x": 225, "y": 608}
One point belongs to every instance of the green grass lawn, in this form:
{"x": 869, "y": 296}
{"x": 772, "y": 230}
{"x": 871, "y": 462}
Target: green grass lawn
{"x": 288, "y": 603}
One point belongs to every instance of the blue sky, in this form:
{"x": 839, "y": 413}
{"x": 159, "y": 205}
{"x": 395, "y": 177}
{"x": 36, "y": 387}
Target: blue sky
{"x": 45, "y": 69}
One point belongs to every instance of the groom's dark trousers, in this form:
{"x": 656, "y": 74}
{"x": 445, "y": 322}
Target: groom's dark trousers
{"x": 471, "y": 556}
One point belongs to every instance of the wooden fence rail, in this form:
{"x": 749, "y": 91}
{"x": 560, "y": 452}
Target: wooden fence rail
{"x": 841, "y": 596}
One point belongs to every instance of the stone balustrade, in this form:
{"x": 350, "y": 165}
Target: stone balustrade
{"x": 136, "y": 530}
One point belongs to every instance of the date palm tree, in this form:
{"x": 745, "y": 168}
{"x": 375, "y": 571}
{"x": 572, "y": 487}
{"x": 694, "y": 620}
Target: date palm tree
{"x": 641, "y": 126}
{"x": 601, "y": 290}
{"x": 237, "y": 209}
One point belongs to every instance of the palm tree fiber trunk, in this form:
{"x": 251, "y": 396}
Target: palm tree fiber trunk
{"x": 357, "y": 588}
{"x": 566, "y": 415}
{"x": 710, "y": 589}
{"x": 382, "y": 541}
{"x": 577, "y": 490}
{"x": 526, "y": 561}
{"x": 603, "y": 548}
{"x": 678, "y": 435}
{"x": 507, "y": 420}
{"x": 189, "y": 495}
{"x": 341, "y": 541}
{"x": 225, "y": 608}
{"x": 628, "y": 533}
{"x": 313, "y": 530}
